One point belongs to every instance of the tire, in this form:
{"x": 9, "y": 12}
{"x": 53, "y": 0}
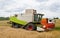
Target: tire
{"x": 15, "y": 25}
{"x": 30, "y": 26}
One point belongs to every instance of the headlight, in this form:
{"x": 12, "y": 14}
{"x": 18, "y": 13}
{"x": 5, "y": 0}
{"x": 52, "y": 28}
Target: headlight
{"x": 44, "y": 26}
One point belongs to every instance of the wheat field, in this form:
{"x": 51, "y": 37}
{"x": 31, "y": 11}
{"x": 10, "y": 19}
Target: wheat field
{"x": 6, "y": 31}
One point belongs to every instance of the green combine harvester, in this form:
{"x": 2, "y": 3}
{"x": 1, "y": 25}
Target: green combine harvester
{"x": 30, "y": 21}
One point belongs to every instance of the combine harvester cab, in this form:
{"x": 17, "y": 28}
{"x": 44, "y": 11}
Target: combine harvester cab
{"x": 30, "y": 21}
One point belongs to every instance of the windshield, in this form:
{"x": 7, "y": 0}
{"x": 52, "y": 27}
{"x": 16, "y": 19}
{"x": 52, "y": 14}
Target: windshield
{"x": 37, "y": 17}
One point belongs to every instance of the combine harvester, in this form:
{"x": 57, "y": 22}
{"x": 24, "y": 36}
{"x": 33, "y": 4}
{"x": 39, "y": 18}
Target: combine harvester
{"x": 31, "y": 20}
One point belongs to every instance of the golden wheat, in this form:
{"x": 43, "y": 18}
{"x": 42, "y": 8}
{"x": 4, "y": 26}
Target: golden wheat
{"x": 8, "y": 32}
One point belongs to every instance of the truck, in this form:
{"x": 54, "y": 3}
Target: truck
{"x": 31, "y": 20}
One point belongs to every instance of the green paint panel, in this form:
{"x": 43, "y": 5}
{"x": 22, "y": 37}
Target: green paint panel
{"x": 14, "y": 19}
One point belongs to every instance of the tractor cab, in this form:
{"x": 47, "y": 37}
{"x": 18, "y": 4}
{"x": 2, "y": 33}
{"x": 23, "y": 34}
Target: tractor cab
{"x": 38, "y": 17}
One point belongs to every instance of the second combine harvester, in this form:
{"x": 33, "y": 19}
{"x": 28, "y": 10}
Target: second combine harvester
{"x": 31, "y": 20}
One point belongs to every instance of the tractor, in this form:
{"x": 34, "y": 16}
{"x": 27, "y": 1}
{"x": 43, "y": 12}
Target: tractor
{"x": 31, "y": 20}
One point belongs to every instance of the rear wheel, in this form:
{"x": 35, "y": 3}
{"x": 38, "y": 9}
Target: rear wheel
{"x": 30, "y": 26}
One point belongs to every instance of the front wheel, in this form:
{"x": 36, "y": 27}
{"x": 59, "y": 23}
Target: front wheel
{"x": 30, "y": 26}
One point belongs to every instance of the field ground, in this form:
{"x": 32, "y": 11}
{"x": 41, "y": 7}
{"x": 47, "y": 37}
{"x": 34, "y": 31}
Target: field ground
{"x": 8, "y": 32}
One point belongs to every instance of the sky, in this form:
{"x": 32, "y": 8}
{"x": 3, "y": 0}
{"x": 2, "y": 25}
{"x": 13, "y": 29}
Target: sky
{"x": 50, "y": 8}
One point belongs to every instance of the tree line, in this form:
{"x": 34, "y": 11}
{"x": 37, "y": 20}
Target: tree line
{"x": 7, "y": 18}
{"x": 4, "y": 18}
